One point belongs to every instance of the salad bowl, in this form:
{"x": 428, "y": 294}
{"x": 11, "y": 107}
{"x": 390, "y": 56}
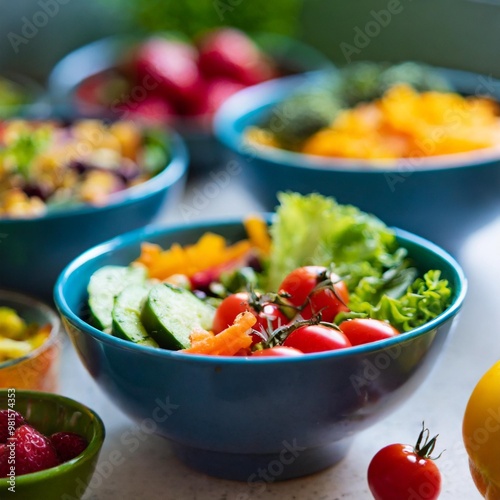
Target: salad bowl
{"x": 35, "y": 250}
{"x": 443, "y": 198}
{"x": 235, "y": 417}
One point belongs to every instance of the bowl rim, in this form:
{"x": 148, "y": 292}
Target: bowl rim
{"x": 34, "y": 304}
{"x": 260, "y": 97}
{"x": 172, "y": 172}
{"x": 93, "y": 446}
{"x": 62, "y": 88}
{"x": 136, "y": 237}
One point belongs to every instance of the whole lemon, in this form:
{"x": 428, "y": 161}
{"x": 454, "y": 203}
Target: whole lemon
{"x": 481, "y": 433}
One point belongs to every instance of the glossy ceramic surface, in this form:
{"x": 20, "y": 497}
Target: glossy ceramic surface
{"x": 51, "y": 413}
{"x": 230, "y": 416}
{"x": 34, "y": 251}
{"x": 441, "y": 198}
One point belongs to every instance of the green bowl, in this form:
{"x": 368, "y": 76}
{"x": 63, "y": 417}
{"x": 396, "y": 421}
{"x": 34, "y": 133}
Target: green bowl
{"x": 51, "y": 413}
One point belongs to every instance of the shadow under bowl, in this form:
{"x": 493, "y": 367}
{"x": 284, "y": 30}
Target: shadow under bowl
{"x": 35, "y": 250}
{"x": 232, "y": 416}
{"x": 443, "y": 198}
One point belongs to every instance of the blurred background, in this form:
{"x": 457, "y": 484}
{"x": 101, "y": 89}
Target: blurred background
{"x": 454, "y": 33}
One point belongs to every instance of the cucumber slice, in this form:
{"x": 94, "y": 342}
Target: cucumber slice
{"x": 127, "y": 315}
{"x": 170, "y": 314}
{"x": 104, "y": 285}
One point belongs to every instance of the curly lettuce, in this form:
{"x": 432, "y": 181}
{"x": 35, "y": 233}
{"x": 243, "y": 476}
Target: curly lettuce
{"x": 363, "y": 251}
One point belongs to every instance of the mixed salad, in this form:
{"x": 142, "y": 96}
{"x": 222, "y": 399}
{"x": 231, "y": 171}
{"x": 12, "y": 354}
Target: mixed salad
{"x": 322, "y": 276}
{"x": 380, "y": 111}
{"x": 47, "y": 166}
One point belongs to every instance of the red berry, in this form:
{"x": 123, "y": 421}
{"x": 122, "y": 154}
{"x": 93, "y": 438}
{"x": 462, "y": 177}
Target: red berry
{"x": 172, "y": 65}
{"x": 230, "y": 53}
{"x": 68, "y": 445}
{"x": 9, "y": 417}
{"x": 33, "y": 451}
{"x": 4, "y": 458}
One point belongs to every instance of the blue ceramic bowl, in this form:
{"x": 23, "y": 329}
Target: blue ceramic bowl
{"x": 34, "y": 251}
{"x": 232, "y": 416}
{"x": 204, "y": 150}
{"x": 441, "y": 198}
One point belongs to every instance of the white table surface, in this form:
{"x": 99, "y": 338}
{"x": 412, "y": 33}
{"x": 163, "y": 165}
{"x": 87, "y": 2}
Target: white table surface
{"x": 150, "y": 471}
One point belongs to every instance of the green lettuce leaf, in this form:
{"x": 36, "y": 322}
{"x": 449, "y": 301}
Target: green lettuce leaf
{"x": 363, "y": 251}
{"x": 424, "y": 299}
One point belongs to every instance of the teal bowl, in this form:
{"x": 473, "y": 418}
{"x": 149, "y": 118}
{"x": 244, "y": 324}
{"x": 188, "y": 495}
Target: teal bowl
{"x": 34, "y": 251}
{"x": 51, "y": 413}
{"x": 442, "y": 198}
{"x": 103, "y": 55}
{"x": 234, "y": 417}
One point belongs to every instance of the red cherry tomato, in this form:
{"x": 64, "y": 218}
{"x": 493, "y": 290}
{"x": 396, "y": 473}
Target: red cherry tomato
{"x": 278, "y": 351}
{"x": 401, "y": 471}
{"x": 228, "y": 309}
{"x": 299, "y": 286}
{"x": 270, "y": 318}
{"x": 366, "y": 330}
{"x": 316, "y": 338}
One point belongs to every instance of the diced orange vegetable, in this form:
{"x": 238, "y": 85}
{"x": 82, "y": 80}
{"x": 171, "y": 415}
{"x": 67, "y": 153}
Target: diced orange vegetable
{"x": 258, "y": 233}
{"x": 210, "y": 251}
{"x": 226, "y": 343}
{"x": 405, "y": 123}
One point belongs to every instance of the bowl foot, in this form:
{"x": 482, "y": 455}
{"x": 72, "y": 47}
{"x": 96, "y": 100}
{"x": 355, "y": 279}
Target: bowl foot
{"x": 290, "y": 462}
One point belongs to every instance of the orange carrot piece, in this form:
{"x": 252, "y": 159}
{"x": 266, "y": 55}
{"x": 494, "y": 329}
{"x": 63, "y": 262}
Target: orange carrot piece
{"x": 228, "y": 342}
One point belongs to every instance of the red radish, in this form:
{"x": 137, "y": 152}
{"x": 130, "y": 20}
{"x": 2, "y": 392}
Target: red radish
{"x": 232, "y": 54}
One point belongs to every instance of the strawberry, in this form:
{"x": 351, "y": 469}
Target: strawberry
{"x": 33, "y": 451}
{"x": 15, "y": 418}
{"x": 173, "y": 65}
{"x": 4, "y": 457}
{"x": 230, "y": 53}
{"x": 68, "y": 445}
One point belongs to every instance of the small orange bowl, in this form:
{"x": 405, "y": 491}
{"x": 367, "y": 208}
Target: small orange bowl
{"x": 39, "y": 369}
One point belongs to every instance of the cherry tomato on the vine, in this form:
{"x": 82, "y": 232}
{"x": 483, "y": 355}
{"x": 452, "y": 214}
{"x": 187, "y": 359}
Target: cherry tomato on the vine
{"x": 299, "y": 287}
{"x": 278, "y": 351}
{"x": 269, "y": 318}
{"x": 228, "y": 309}
{"x": 316, "y": 338}
{"x": 366, "y": 330}
{"x": 404, "y": 472}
